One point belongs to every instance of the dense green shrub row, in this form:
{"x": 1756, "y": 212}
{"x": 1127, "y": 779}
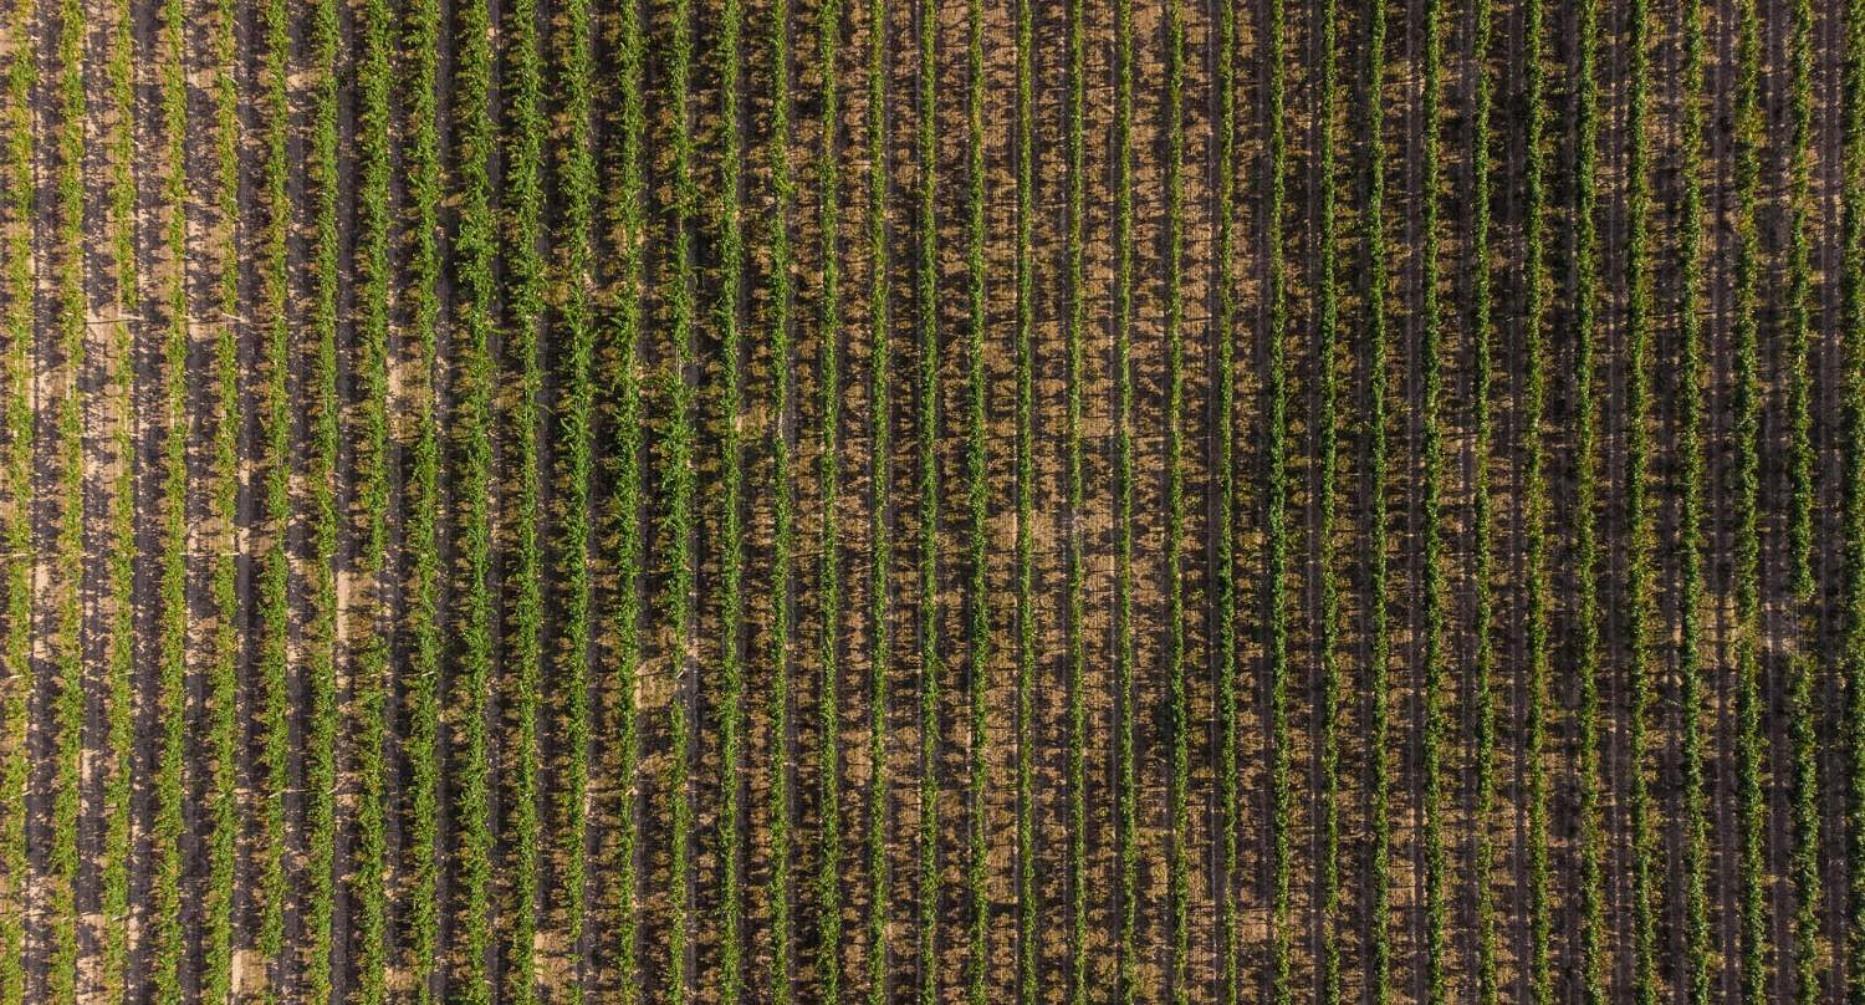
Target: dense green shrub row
{"x": 1483, "y": 321}
{"x": 16, "y": 538}
{"x": 1803, "y": 775}
{"x": 977, "y": 507}
{"x": 1433, "y": 687}
{"x": 66, "y": 405}
{"x": 1694, "y": 968}
{"x": 421, "y": 498}
{"x": 1751, "y": 807}
{"x": 274, "y": 513}
{"x": 1077, "y": 336}
{"x": 1374, "y": 353}
{"x": 828, "y": 167}
{"x": 1178, "y": 811}
{"x": 521, "y": 89}
{"x": 630, "y": 490}
{"x": 226, "y": 651}
{"x": 926, "y": 304}
{"x": 1126, "y": 764}
{"x": 473, "y": 483}
{"x": 370, "y": 643}
{"x": 731, "y": 239}
{"x": 880, "y": 479}
{"x": 1329, "y": 719}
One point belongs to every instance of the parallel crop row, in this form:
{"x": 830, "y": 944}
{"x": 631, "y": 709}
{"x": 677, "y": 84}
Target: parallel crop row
{"x": 1530, "y": 445}
{"x": 168, "y": 951}
{"x": 1483, "y": 517}
{"x": 421, "y": 743}
{"x": 1694, "y": 974}
{"x": 324, "y": 414}
{"x": 472, "y": 479}
{"x": 977, "y": 506}
{"x": 1223, "y": 592}
{"x": 1803, "y": 776}
{"x": 119, "y": 658}
{"x": 370, "y": 645}
{"x": 880, "y": 479}
{"x": 1126, "y": 766}
{"x": 1028, "y": 907}
{"x": 731, "y": 238}
{"x": 1178, "y": 883}
{"x": 1434, "y": 805}
{"x": 522, "y": 85}
{"x": 680, "y": 480}
{"x": 926, "y": 322}
{"x": 829, "y": 484}
{"x": 273, "y": 510}
{"x": 574, "y": 80}
{"x": 1852, "y": 622}
{"x": 227, "y": 415}
{"x": 1639, "y": 602}
{"x": 1374, "y": 352}
{"x": 783, "y": 506}
{"x": 1077, "y": 498}
{"x": 1323, "y": 552}
{"x": 66, "y": 406}
{"x": 17, "y": 495}
{"x": 630, "y": 491}
{"x": 1746, "y": 428}
{"x": 1584, "y": 318}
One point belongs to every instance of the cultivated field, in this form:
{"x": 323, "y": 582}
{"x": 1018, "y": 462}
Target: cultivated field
{"x": 932, "y": 500}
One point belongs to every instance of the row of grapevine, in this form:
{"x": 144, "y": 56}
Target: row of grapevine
{"x": 1852, "y": 545}
{"x": 521, "y": 89}
{"x": 977, "y": 505}
{"x": 1223, "y": 592}
{"x": 1027, "y": 906}
{"x": 369, "y": 639}
{"x": 274, "y": 364}
{"x": 1638, "y": 601}
{"x": 1583, "y": 318}
{"x": 732, "y": 526}
{"x": 319, "y": 397}
{"x": 1329, "y": 720}
{"x": 1803, "y": 775}
{"x": 880, "y": 508}
{"x": 16, "y": 504}
{"x": 926, "y": 324}
{"x": 421, "y": 495}
{"x": 681, "y": 486}
{"x": 473, "y": 479}
{"x": 1484, "y": 536}
{"x": 1434, "y": 586}
{"x": 70, "y": 309}
{"x": 172, "y": 615}
{"x": 1751, "y": 808}
{"x": 1126, "y": 768}
{"x": 731, "y": 584}
{"x": 573, "y": 80}
{"x": 119, "y": 657}
{"x": 226, "y": 648}
{"x": 1530, "y": 446}
{"x": 1692, "y": 373}
{"x": 783, "y": 504}
{"x": 630, "y": 491}
{"x": 828, "y": 166}
{"x": 1376, "y": 895}
{"x": 1077, "y": 335}
{"x": 1178, "y": 810}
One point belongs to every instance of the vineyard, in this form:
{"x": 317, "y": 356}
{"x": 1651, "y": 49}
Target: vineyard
{"x": 933, "y": 501}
